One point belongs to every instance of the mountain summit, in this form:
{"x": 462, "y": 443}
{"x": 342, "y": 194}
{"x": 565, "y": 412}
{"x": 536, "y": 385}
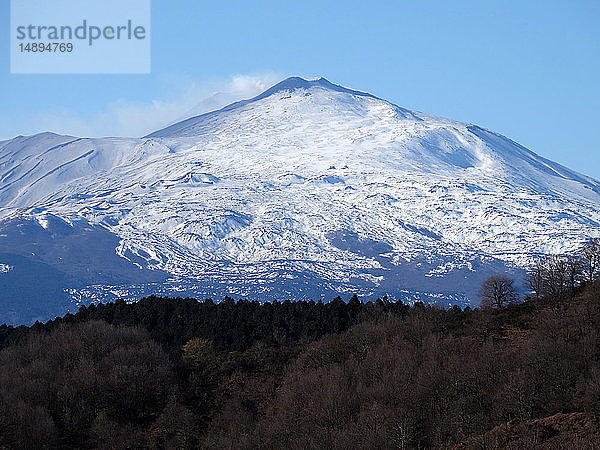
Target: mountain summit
{"x": 288, "y": 85}
{"x": 308, "y": 190}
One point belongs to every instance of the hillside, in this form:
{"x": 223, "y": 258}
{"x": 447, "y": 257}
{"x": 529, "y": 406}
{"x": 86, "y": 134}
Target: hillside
{"x": 177, "y": 373}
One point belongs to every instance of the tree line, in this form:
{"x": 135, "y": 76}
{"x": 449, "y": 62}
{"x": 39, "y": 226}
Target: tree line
{"x": 551, "y": 276}
{"x": 559, "y": 275}
{"x": 230, "y": 325}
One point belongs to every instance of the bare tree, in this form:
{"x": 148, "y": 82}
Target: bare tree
{"x": 591, "y": 259}
{"x": 556, "y": 277}
{"x": 535, "y": 278}
{"x": 497, "y": 290}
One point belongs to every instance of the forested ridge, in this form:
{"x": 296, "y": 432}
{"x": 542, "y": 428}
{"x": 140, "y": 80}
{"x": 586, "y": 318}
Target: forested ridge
{"x": 230, "y": 325}
{"x": 181, "y": 373}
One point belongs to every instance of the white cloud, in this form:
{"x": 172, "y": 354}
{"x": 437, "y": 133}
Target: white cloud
{"x": 128, "y": 118}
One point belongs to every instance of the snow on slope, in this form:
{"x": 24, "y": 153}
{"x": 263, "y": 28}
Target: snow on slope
{"x": 310, "y": 179}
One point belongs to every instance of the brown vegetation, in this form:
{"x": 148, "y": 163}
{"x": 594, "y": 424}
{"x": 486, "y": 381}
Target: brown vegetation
{"x": 409, "y": 383}
{"x": 521, "y": 376}
{"x": 557, "y": 432}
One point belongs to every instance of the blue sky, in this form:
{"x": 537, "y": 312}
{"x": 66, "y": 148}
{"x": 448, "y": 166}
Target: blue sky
{"x": 529, "y": 70}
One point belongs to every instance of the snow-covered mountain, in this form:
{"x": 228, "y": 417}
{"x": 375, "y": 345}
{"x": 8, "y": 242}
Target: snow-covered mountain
{"x": 309, "y": 190}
